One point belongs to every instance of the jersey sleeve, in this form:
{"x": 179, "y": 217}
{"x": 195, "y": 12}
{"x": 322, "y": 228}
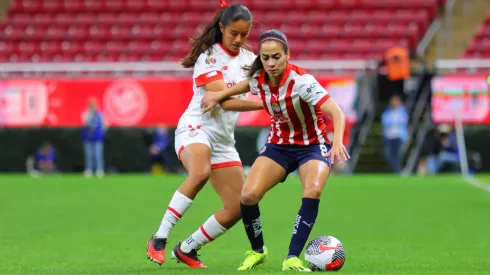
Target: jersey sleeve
{"x": 207, "y": 69}
{"x": 311, "y": 91}
{"x": 254, "y": 83}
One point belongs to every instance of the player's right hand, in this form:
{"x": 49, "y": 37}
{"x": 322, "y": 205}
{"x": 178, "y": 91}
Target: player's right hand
{"x": 209, "y": 101}
{"x": 337, "y": 152}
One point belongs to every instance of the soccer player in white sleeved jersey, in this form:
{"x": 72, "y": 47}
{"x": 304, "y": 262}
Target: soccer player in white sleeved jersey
{"x": 215, "y": 129}
{"x": 205, "y": 142}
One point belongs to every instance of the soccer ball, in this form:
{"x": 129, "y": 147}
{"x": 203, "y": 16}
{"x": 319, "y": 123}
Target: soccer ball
{"x": 325, "y": 253}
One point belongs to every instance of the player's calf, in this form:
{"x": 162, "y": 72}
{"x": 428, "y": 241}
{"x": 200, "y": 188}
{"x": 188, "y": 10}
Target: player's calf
{"x": 303, "y": 225}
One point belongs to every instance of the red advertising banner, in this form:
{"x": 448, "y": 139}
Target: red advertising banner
{"x": 463, "y": 97}
{"x": 123, "y": 102}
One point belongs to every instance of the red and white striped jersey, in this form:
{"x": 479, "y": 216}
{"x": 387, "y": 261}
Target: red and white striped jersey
{"x": 294, "y": 107}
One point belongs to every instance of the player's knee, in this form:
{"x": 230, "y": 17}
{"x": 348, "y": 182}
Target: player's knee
{"x": 313, "y": 192}
{"x": 199, "y": 176}
{"x": 250, "y": 197}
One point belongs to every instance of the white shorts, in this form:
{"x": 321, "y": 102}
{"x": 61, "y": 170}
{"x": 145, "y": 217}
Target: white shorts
{"x": 223, "y": 152}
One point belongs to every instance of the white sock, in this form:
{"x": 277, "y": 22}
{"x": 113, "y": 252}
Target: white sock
{"x": 175, "y": 210}
{"x": 208, "y": 232}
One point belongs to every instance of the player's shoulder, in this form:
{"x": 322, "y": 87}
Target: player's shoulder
{"x": 305, "y": 82}
{"x": 257, "y": 73}
{"x": 249, "y": 55}
{"x": 254, "y": 80}
{"x": 298, "y": 70}
{"x": 304, "y": 79}
{"x": 208, "y": 57}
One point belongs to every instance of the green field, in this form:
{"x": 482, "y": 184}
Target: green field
{"x": 388, "y": 225}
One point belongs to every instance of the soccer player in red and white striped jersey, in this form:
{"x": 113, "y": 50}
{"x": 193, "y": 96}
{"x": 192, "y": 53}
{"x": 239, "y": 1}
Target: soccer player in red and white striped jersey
{"x": 297, "y": 139}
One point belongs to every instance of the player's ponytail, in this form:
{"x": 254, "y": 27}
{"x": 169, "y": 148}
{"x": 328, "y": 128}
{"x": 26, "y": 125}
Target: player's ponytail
{"x": 274, "y": 35}
{"x": 212, "y": 33}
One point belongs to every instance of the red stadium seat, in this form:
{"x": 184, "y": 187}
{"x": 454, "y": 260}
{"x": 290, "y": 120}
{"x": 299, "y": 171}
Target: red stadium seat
{"x": 480, "y": 45}
{"x": 53, "y": 6}
{"x": 125, "y": 30}
{"x": 12, "y": 33}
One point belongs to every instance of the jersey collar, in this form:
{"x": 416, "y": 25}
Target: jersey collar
{"x": 227, "y": 51}
{"x": 285, "y": 76}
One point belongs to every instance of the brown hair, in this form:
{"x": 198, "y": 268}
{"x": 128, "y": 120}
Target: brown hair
{"x": 212, "y": 33}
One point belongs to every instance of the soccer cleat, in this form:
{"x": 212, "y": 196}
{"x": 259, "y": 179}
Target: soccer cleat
{"x": 253, "y": 259}
{"x": 295, "y": 264}
{"x": 190, "y": 259}
{"x": 156, "y": 250}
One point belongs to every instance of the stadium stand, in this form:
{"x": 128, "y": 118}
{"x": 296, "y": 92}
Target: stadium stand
{"x": 479, "y": 47}
{"x": 150, "y": 30}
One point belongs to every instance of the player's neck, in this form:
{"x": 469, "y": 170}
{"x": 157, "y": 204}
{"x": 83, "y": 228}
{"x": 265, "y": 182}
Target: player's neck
{"x": 275, "y": 81}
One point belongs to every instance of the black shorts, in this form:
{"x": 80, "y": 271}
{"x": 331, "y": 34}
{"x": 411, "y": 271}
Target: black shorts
{"x": 290, "y": 157}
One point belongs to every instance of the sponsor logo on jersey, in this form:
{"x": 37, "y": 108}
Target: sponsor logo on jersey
{"x": 311, "y": 88}
{"x": 225, "y": 68}
{"x": 280, "y": 118}
{"x": 210, "y": 60}
{"x": 230, "y": 84}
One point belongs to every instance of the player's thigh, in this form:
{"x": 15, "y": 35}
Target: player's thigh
{"x": 194, "y": 151}
{"x": 313, "y": 175}
{"x": 226, "y": 172}
{"x": 314, "y": 169}
{"x": 228, "y": 184}
{"x": 264, "y": 175}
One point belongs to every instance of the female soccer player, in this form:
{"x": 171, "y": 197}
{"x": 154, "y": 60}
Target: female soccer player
{"x": 205, "y": 143}
{"x": 298, "y": 138}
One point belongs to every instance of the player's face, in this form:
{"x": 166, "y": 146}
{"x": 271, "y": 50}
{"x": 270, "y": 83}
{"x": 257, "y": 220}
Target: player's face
{"x": 235, "y": 34}
{"x": 273, "y": 58}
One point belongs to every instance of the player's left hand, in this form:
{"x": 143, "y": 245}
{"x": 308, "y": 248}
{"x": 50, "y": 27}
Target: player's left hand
{"x": 209, "y": 101}
{"x": 338, "y": 151}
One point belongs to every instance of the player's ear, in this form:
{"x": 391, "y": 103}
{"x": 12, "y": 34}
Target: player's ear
{"x": 221, "y": 28}
{"x": 288, "y": 54}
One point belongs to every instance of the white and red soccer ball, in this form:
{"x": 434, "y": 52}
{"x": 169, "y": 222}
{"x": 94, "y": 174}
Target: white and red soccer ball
{"x": 325, "y": 253}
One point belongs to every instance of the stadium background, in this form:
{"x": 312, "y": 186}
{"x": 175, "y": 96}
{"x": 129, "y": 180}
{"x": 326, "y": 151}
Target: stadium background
{"x": 57, "y": 54}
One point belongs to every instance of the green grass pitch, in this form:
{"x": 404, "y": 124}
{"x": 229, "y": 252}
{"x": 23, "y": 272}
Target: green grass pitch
{"x": 388, "y": 225}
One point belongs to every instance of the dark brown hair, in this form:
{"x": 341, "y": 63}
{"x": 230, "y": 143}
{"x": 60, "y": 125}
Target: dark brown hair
{"x": 273, "y": 35}
{"x": 212, "y": 33}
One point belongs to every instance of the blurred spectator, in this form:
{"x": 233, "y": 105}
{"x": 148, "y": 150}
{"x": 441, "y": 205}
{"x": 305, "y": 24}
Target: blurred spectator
{"x": 395, "y": 123}
{"x": 397, "y": 62}
{"x": 447, "y": 157}
{"x": 160, "y": 142}
{"x": 43, "y": 161}
{"x": 93, "y": 133}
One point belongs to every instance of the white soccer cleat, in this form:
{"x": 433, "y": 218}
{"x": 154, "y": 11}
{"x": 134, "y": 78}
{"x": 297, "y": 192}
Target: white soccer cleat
{"x": 87, "y": 174}
{"x": 100, "y": 174}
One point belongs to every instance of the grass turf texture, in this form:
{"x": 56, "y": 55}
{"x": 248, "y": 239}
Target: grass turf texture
{"x": 388, "y": 225}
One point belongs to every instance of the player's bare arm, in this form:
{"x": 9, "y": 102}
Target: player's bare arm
{"x": 240, "y": 105}
{"x": 210, "y": 100}
{"x": 338, "y": 150}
